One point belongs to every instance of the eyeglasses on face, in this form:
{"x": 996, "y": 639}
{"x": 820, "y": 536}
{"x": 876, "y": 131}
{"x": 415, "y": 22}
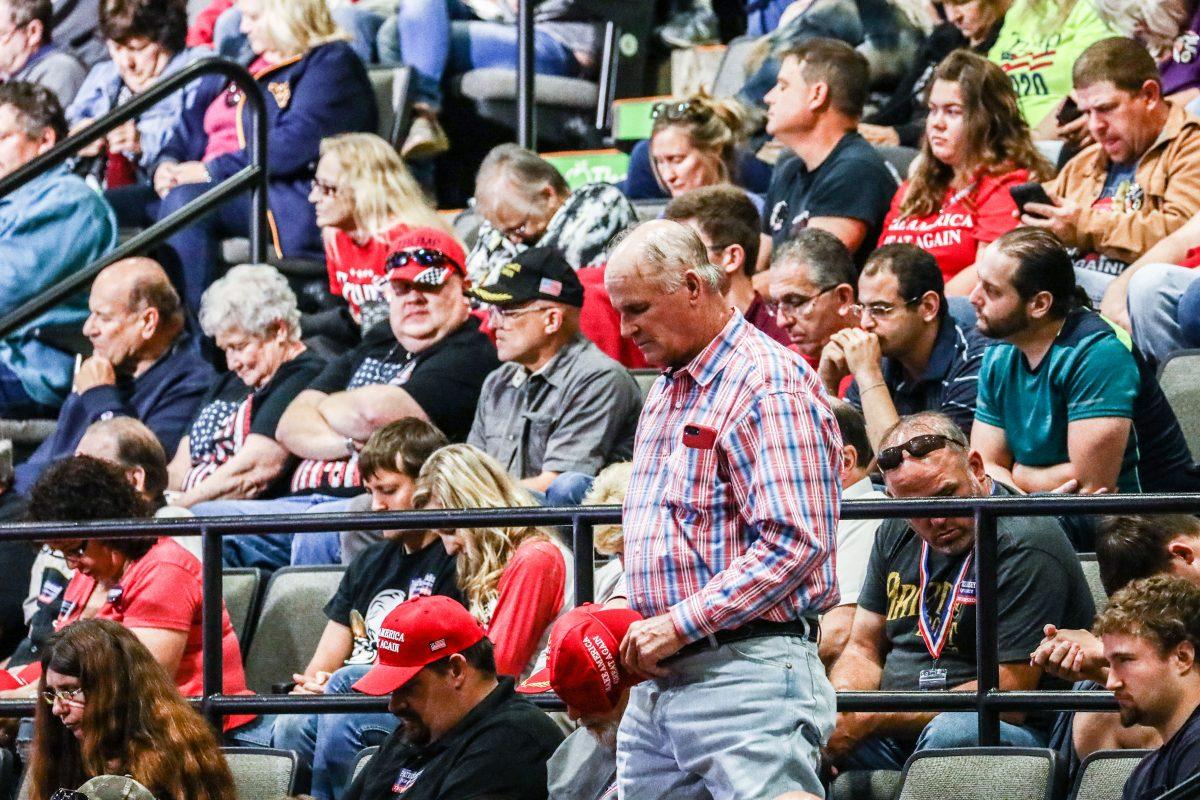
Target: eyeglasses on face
{"x": 794, "y": 305}
{"x": 326, "y": 189}
{"x": 64, "y": 696}
{"x": 881, "y": 310}
{"x": 73, "y": 552}
{"x": 501, "y": 316}
{"x": 918, "y": 447}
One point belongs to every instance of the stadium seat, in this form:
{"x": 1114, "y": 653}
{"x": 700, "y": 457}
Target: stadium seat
{"x": 290, "y": 624}
{"x": 360, "y": 761}
{"x": 981, "y": 773}
{"x": 1177, "y": 376}
{"x": 645, "y": 379}
{"x": 1091, "y": 571}
{"x": 862, "y": 784}
{"x": 241, "y": 590}
{"x": 897, "y": 160}
{"x": 392, "y": 85}
{"x": 260, "y": 773}
{"x": 1102, "y": 775}
{"x": 732, "y": 72}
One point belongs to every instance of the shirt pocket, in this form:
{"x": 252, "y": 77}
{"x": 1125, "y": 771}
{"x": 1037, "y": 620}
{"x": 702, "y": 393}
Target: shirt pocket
{"x": 537, "y": 433}
{"x": 693, "y": 487}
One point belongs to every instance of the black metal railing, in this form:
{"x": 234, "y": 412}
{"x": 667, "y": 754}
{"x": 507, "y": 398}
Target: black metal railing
{"x": 987, "y": 700}
{"x": 252, "y": 177}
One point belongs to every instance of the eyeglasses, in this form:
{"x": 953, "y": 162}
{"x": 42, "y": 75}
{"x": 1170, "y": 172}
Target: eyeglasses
{"x": 795, "y": 305}
{"x": 881, "y": 310}
{"x": 677, "y": 110}
{"x": 74, "y": 553}
{"x": 918, "y": 447}
{"x": 424, "y": 256}
{"x": 65, "y": 696}
{"x": 500, "y": 316}
{"x": 326, "y": 189}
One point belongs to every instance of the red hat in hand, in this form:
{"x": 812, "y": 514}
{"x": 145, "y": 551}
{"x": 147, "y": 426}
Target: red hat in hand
{"x": 417, "y": 633}
{"x": 584, "y": 664}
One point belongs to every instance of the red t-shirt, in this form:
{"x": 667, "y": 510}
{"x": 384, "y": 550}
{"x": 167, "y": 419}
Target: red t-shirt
{"x": 531, "y": 596}
{"x": 601, "y": 324}
{"x": 162, "y": 589}
{"x": 968, "y": 218}
{"x": 356, "y": 270}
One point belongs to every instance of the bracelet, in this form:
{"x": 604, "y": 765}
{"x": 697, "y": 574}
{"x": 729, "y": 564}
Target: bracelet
{"x": 351, "y": 446}
{"x": 875, "y": 385}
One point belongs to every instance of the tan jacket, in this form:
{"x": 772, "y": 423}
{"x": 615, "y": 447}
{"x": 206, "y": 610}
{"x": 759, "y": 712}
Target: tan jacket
{"x": 1168, "y": 175}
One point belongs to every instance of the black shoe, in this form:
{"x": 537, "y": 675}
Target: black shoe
{"x": 691, "y": 28}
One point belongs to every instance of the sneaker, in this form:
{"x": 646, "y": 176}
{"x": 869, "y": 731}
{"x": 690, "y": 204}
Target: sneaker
{"x": 690, "y": 29}
{"x": 426, "y": 138}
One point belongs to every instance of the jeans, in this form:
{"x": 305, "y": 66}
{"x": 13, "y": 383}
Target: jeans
{"x": 363, "y": 27}
{"x": 948, "y": 729}
{"x": 1156, "y": 310}
{"x": 430, "y": 42}
{"x": 269, "y": 551}
{"x": 773, "y": 708}
{"x": 15, "y": 401}
{"x": 257, "y": 733}
{"x": 329, "y": 742}
{"x": 762, "y": 16}
{"x": 568, "y": 489}
{"x": 320, "y": 548}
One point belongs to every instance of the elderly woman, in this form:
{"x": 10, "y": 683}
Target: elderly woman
{"x": 230, "y": 452}
{"x": 145, "y": 39}
{"x": 314, "y": 86}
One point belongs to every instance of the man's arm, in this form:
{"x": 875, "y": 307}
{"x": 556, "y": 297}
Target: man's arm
{"x": 1169, "y": 250}
{"x": 992, "y": 444}
{"x": 305, "y": 433}
{"x": 835, "y": 633}
{"x": 850, "y": 231}
{"x": 1095, "y": 447}
{"x": 333, "y": 649}
{"x": 357, "y": 413}
{"x": 865, "y": 360}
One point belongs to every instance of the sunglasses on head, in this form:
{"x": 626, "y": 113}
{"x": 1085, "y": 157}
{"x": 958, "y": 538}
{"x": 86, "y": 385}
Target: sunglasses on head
{"x": 426, "y": 257}
{"x": 676, "y": 110}
{"x": 918, "y": 447}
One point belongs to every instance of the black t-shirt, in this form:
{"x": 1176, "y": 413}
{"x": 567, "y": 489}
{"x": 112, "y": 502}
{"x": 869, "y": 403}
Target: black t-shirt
{"x": 851, "y": 182}
{"x": 379, "y": 579}
{"x": 231, "y": 411}
{"x": 499, "y": 749}
{"x": 52, "y": 585}
{"x": 1039, "y": 579}
{"x": 1168, "y": 766}
{"x": 445, "y": 381}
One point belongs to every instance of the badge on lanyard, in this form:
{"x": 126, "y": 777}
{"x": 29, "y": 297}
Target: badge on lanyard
{"x": 959, "y": 592}
{"x": 932, "y": 680}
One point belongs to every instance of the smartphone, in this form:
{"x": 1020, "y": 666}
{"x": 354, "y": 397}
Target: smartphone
{"x": 1027, "y": 193}
{"x": 1068, "y": 113}
{"x": 699, "y": 436}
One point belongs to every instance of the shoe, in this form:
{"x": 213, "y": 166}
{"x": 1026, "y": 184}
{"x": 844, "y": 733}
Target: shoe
{"x": 690, "y": 29}
{"x": 426, "y": 138}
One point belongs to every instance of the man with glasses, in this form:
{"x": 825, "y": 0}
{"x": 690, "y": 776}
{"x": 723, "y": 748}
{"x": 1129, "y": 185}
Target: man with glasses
{"x": 908, "y": 354}
{"x": 28, "y": 54}
{"x": 558, "y": 410}
{"x": 812, "y": 284}
{"x": 428, "y": 361}
{"x": 914, "y": 628}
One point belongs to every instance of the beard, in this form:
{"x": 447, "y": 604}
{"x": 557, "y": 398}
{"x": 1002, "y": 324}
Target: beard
{"x": 413, "y": 730}
{"x": 605, "y": 734}
{"x": 1130, "y": 716}
{"x": 1003, "y": 327}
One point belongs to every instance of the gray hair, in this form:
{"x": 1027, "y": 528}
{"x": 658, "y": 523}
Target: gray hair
{"x": 512, "y": 167}
{"x": 252, "y": 297}
{"x": 926, "y": 422}
{"x": 824, "y": 256}
{"x": 669, "y": 250}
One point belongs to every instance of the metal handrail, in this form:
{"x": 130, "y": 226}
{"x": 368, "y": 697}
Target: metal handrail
{"x": 252, "y": 177}
{"x": 988, "y": 700}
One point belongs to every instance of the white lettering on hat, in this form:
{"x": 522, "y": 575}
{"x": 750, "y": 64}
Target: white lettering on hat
{"x": 604, "y": 663}
{"x": 391, "y": 647}
{"x": 440, "y": 644}
{"x": 388, "y": 633}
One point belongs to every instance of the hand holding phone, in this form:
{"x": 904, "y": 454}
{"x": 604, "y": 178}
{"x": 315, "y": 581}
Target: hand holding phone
{"x": 1027, "y": 193}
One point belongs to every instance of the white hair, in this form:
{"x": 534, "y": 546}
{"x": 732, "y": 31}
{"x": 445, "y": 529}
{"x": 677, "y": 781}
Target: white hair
{"x": 667, "y": 250}
{"x": 1161, "y": 21}
{"x": 252, "y": 298}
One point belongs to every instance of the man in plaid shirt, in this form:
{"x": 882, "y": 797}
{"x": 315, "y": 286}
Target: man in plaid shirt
{"x": 729, "y": 523}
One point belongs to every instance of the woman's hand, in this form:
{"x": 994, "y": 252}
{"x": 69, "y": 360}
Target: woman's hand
{"x": 879, "y": 135}
{"x": 125, "y": 139}
{"x": 310, "y": 684}
{"x": 191, "y": 172}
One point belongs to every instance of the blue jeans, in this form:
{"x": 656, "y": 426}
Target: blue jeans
{"x": 1161, "y": 319}
{"x": 568, "y": 489}
{"x": 269, "y": 551}
{"x": 310, "y": 549}
{"x": 948, "y": 729}
{"x": 744, "y": 720}
{"x": 430, "y": 42}
{"x": 15, "y": 401}
{"x": 363, "y": 27}
{"x": 329, "y": 742}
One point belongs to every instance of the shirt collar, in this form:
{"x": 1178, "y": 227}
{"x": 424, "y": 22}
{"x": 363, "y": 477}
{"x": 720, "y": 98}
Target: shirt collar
{"x": 860, "y": 488}
{"x": 941, "y": 357}
{"x": 709, "y": 361}
{"x": 550, "y": 372}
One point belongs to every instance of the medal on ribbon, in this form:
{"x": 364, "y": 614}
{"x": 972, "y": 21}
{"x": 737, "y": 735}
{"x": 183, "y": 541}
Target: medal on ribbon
{"x": 935, "y": 643}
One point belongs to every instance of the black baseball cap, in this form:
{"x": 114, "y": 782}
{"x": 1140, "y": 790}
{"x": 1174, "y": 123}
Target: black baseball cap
{"x": 537, "y": 273}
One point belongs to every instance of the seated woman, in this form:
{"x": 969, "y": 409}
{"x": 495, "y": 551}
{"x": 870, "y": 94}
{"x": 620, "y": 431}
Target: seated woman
{"x": 365, "y": 198}
{"x": 229, "y": 451}
{"x": 694, "y": 142}
{"x": 111, "y": 709}
{"x": 516, "y": 581}
{"x": 151, "y": 586}
{"x": 1170, "y": 29}
{"x": 146, "y": 41}
{"x": 976, "y": 147}
{"x": 314, "y": 87}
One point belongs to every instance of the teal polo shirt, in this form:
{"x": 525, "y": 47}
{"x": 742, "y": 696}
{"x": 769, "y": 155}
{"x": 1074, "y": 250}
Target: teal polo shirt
{"x": 1087, "y": 373}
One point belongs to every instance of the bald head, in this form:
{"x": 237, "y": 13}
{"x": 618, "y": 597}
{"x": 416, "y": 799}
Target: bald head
{"x": 135, "y": 314}
{"x": 145, "y": 283}
{"x": 133, "y": 447}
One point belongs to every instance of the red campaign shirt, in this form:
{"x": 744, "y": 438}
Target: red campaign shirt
{"x": 601, "y": 324}
{"x": 531, "y": 597}
{"x": 162, "y": 589}
{"x": 966, "y": 220}
{"x": 356, "y": 270}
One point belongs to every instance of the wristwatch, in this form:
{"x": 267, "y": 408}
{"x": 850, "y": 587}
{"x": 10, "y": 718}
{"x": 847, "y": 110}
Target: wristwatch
{"x": 351, "y": 446}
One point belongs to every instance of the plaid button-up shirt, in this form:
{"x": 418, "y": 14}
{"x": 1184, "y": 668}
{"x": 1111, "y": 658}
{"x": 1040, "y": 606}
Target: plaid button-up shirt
{"x": 743, "y": 530}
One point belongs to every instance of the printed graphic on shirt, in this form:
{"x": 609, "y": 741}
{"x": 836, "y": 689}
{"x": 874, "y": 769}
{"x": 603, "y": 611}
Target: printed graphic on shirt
{"x": 1186, "y": 46}
{"x": 365, "y": 629}
{"x": 219, "y": 432}
{"x": 904, "y": 601}
{"x": 1026, "y": 60}
{"x": 405, "y": 779}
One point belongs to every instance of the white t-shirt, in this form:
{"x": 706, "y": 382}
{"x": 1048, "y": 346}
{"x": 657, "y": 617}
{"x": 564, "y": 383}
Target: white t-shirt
{"x": 855, "y": 538}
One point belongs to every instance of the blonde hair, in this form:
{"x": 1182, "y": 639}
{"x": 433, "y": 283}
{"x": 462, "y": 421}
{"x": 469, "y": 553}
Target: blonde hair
{"x": 714, "y": 126}
{"x": 296, "y": 26}
{"x": 463, "y": 476}
{"x": 1161, "y": 21}
{"x": 609, "y": 489}
{"x": 381, "y": 188}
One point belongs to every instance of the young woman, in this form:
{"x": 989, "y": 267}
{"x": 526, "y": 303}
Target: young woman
{"x": 976, "y": 147}
{"x": 110, "y": 708}
{"x": 697, "y": 141}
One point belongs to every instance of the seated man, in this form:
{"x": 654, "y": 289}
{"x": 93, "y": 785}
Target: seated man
{"x": 429, "y": 362}
{"x": 915, "y": 623}
{"x": 557, "y": 410}
{"x": 855, "y": 537}
{"x": 908, "y": 353}
{"x": 584, "y": 669}
{"x": 29, "y": 54}
{"x": 830, "y": 177}
{"x": 812, "y": 284}
{"x": 143, "y": 364}
{"x": 1138, "y": 183}
{"x": 727, "y": 222}
{"x": 51, "y": 227}
{"x": 404, "y": 565}
{"x": 1151, "y": 634}
{"x": 464, "y": 732}
{"x": 1063, "y": 402}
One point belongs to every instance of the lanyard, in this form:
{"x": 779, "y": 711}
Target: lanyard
{"x": 935, "y": 644}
